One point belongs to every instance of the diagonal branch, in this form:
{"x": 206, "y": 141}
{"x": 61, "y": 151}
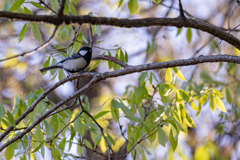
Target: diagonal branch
{"x": 181, "y": 9}
{"x": 97, "y": 77}
{"x": 34, "y": 50}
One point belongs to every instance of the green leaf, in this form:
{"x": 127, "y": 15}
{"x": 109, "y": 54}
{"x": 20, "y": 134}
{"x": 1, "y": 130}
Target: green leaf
{"x": 179, "y": 31}
{"x": 37, "y": 5}
{"x": 6, "y": 6}
{"x": 120, "y": 3}
{"x": 38, "y": 134}
{"x": 126, "y": 56}
{"x": 142, "y": 77}
{"x": 87, "y": 143}
{"x": 157, "y": 1}
{"x": 2, "y": 110}
{"x": 172, "y": 140}
{"x": 115, "y": 113}
{"x": 95, "y": 65}
{"x": 61, "y": 75}
{"x": 9, "y": 151}
{"x": 48, "y": 129}
{"x": 137, "y": 133}
{"x": 220, "y": 104}
{"x": 122, "y": 56}
{"x": 16, "y": 5}
{"x": 79, "y": 126}
{"x": 23, "y": 32}
{"x": 36, "y": 32}
{"x": 98, "y": 30}
{"x": 228, "y": 96}
{"x": 110, "y": 63}
{"x": 27, "y": 11}
{"x": 189, "y": 34}
{"x": 11, "y": 119}
{"x": 162, "y": 138}
{"x": 178, "y": 73}
{"x": 133, "y": 6}
{"x": 212, "y": 103}
{"x": 116, "y": 104}
{"x": 168, "y": 76}
{"x": 38, "y": 147}
{"x": 73, "y": 9}
{"x": 100, "y": 114}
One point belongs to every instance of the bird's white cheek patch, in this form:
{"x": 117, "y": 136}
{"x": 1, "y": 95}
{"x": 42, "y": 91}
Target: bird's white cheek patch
{"x": 74, "y": 64}
{"x": 83, "y": 53}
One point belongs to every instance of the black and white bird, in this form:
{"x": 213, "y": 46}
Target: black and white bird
{"x": 74, "y": 63}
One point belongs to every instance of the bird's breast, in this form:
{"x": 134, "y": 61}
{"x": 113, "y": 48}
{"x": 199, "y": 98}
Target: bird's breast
{"x": 75, "y": 64}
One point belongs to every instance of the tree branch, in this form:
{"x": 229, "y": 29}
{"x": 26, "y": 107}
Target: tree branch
{"x": 97, "y": 77}
{"x": 34, "y": 50}
{"x": 90, "y": 36}
{"x": 181, "y": 9}
{"x": 128, "y": 23}
{"x": 110, "y": 58}
{"x": 61, "y": 8}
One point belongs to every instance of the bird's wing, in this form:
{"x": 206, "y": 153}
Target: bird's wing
{"x": 74, "y": 56}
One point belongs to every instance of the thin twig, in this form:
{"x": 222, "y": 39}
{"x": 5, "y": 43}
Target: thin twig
{"x": 34, "y": 50}
{"x": 228, "y": 33}
{"x": 66, "y": 126}
{"x": 42, "y": 2}
{"x": 181, "y": 9}
{"x": 110, "y": 58}
{"x": 61, "y": 8}
{"x": 90, "y": 36}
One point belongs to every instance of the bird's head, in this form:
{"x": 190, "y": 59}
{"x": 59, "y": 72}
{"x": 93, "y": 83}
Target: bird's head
{"x": 84, "y": 51}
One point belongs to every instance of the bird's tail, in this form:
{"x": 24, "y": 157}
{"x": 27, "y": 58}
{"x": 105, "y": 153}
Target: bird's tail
{"x": 49, "y": 68}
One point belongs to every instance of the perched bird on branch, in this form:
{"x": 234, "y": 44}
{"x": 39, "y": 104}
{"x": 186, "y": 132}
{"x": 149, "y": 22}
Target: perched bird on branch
{"x": 74, "y": 63}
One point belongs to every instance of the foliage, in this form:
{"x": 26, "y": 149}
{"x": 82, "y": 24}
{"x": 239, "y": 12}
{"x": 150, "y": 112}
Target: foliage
{"x": 154, "y": 112}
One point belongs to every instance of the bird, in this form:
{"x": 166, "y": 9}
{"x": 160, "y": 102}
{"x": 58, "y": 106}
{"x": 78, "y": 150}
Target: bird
{"x": 74, "y": 63}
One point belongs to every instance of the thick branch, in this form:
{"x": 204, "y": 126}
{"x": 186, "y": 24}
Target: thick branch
{"x": 102, "y": 76}
{"x": 128, "y": 23}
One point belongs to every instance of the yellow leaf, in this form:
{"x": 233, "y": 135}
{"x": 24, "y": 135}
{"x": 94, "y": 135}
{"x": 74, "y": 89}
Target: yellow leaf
{"x": 102, "y": 145}
{"x": 193, "y": 105}
{"x": 220, "y": 104}
{"x": 179, "y": 73}
{"x": 237, "y": 52}
{"x": 168, "y": 76}
{"x": 212, "y": 102}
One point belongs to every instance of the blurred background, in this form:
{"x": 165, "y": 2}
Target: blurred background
{"x": 216, "y": 136}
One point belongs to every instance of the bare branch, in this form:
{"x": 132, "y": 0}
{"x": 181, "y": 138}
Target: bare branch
{"x": 181, "y": 9}
{"x": 128, "y": 23}
{"x": 61, "y": 8}
{"x": 110, "y": 58}
{"x": 42, "y": 2}
{"x": 34, "y": 50}
{"x": 67, "y": 125}
{"x": 90, "y": 36}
